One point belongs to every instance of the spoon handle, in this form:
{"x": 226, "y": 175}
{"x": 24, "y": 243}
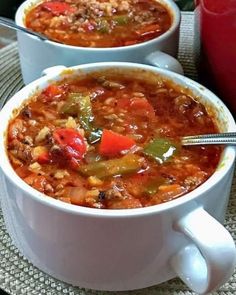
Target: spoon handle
{"x": 228, "y": 138}
{"x": 11, "y": 24}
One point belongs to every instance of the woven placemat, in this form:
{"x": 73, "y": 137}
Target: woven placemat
{"x": 17, "y": 275}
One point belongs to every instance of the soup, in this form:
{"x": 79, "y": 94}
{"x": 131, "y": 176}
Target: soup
{"x": 99, "y": 23}
{"x": 111, "y": 141}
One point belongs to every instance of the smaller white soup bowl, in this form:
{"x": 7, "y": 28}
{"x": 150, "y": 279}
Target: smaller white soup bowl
{"x": 36, "y": 55}
{"x": 124, "y": 249}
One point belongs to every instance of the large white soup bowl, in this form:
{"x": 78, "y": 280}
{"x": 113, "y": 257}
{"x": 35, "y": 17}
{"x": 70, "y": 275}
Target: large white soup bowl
{"x": 124, "y": 249}
{"x": 36, "y": 55}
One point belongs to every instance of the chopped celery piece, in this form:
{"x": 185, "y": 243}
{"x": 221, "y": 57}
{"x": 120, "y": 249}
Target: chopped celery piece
{"x": 127, "y": 164}
{"x": 160, "y": 149}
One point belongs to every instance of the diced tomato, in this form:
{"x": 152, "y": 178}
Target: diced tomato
{"x": 139, "y": 104}
{"x": 52, "y": 91}
{"x": 123, "y": 103}
{"x": 57, "y": 7}
{"x": 22, "y": 171}
{"x": 44, "y": 158}
{"x": 71, "y": 141}
{"x": 139, "y": 178}
{"x": 112, "y": 144}
{"x": 136, "y": 183}
{"x": 143, "y": 105}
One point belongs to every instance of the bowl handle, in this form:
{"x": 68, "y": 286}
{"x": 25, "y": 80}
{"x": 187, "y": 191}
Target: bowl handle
{"x": 164, "y": 61}
{"x": 209, "y": 261}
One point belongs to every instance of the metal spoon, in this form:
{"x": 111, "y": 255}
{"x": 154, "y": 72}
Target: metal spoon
{"x": 11, "y": 24}
{"x": 228, "y": 138}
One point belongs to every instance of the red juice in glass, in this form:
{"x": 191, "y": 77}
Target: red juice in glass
{"x": 216, "y": 20}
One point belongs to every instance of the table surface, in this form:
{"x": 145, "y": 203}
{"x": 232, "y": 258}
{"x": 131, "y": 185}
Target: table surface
{"x": 17, "y": 275}
{"x": 7, "y": 36}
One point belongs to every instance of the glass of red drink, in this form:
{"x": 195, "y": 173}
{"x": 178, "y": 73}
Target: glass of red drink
{"x": 216, "y": 20}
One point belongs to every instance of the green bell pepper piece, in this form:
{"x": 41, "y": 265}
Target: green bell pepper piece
{"x": 161, "y": 150}
{"x": 80, "y": 105}
{"x": 85, "y": 112}
{"x": 86, "y": 118}
{"x": 127, "y": 164}
{"x": 71, "y": 106}
{"x": 103, "y": 26}
{"x": 121, "y": 19}
{"x": 152, "y": 187}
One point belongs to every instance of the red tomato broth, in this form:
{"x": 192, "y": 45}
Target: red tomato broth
{"x": 99, "y": 23}
{"x": 97, "y": 177}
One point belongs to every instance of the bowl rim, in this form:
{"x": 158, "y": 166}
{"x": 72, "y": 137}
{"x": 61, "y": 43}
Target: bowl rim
{"x": 175, "y": 13}
{"x": 226, "y": 162}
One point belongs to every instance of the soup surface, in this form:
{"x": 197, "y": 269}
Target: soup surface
{"x": 108, "y": 140}
{"x": 99, "y": 23}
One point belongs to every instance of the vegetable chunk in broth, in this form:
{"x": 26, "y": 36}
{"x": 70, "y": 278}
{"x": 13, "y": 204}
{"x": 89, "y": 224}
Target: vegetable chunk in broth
{"x": 99, "y": 23}
{"x": 111, "y": 141}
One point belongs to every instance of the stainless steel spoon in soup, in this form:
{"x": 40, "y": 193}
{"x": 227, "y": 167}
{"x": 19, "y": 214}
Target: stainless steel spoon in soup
{"x": 11, "y": 24}
{"x": 228, "y": 138}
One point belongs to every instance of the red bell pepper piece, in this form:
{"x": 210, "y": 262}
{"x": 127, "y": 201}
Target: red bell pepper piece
{"x": 112, "y": 144}
{"x": 57, "y": 7}
{"x": 71, "y": 141}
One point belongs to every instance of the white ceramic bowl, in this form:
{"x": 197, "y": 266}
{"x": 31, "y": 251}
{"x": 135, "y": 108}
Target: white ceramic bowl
{"x": 36, "y": 55}
{"x": 132, "y": 248}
